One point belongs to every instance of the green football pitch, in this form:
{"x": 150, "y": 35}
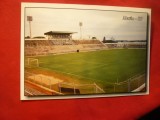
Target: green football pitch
{"x": 101, "y": 67}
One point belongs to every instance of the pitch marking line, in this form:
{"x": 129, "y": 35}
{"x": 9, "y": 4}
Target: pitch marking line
{"x": 75, "y": 75}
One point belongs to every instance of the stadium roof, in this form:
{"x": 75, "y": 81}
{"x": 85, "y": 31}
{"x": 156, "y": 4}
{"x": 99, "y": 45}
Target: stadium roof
{"x": 58, "y": 32}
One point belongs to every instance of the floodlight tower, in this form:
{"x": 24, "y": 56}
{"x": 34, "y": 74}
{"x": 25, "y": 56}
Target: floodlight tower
{"x": 80, "y": 25}
{"x": 29, "y": 19}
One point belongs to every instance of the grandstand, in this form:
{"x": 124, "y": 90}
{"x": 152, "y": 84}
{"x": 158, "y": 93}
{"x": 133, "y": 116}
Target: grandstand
{"x": 44, "y": 47}
{"x": 30, "y": 91}
{"x": 126, "y": 45}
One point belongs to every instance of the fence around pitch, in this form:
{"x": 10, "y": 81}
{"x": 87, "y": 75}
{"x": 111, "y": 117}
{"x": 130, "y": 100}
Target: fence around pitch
{"x": 83, "y": 88}
{"x": 131, "y": 84}
{"x": 122, "y": 87}
{"x": 126, "y": 86}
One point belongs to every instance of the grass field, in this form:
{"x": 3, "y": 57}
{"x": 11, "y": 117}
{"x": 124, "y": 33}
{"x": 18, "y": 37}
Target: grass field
{"x": 102, "y": 67}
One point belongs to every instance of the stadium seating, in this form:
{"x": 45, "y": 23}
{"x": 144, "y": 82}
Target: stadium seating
{"x": 126, "y": 45}
{"x": 57, "y": 46}
{"x": 44, "y": 47}
{"x": 29, "y": 91}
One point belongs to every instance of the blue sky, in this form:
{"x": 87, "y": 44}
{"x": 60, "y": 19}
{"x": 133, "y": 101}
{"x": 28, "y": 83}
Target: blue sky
{"x": 96, "y": 23}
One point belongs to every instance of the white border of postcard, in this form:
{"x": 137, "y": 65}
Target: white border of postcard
{"x": 51, "y": 5}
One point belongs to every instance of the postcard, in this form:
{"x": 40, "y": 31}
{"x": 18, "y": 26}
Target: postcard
{"x": 83, "y": 51}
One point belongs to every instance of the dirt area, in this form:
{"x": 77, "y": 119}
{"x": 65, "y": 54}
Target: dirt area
{"x": 53, "y": 75}
{"x": 48, "y": 80}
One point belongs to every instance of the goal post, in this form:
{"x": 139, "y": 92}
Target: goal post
{"x": 32, "y": 62}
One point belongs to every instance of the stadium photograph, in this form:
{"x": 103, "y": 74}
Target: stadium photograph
{"x": 74, "y": 52}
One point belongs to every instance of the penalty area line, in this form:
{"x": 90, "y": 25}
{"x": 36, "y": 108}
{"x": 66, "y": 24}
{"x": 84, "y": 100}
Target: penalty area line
{"x": 75, "y": 75}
